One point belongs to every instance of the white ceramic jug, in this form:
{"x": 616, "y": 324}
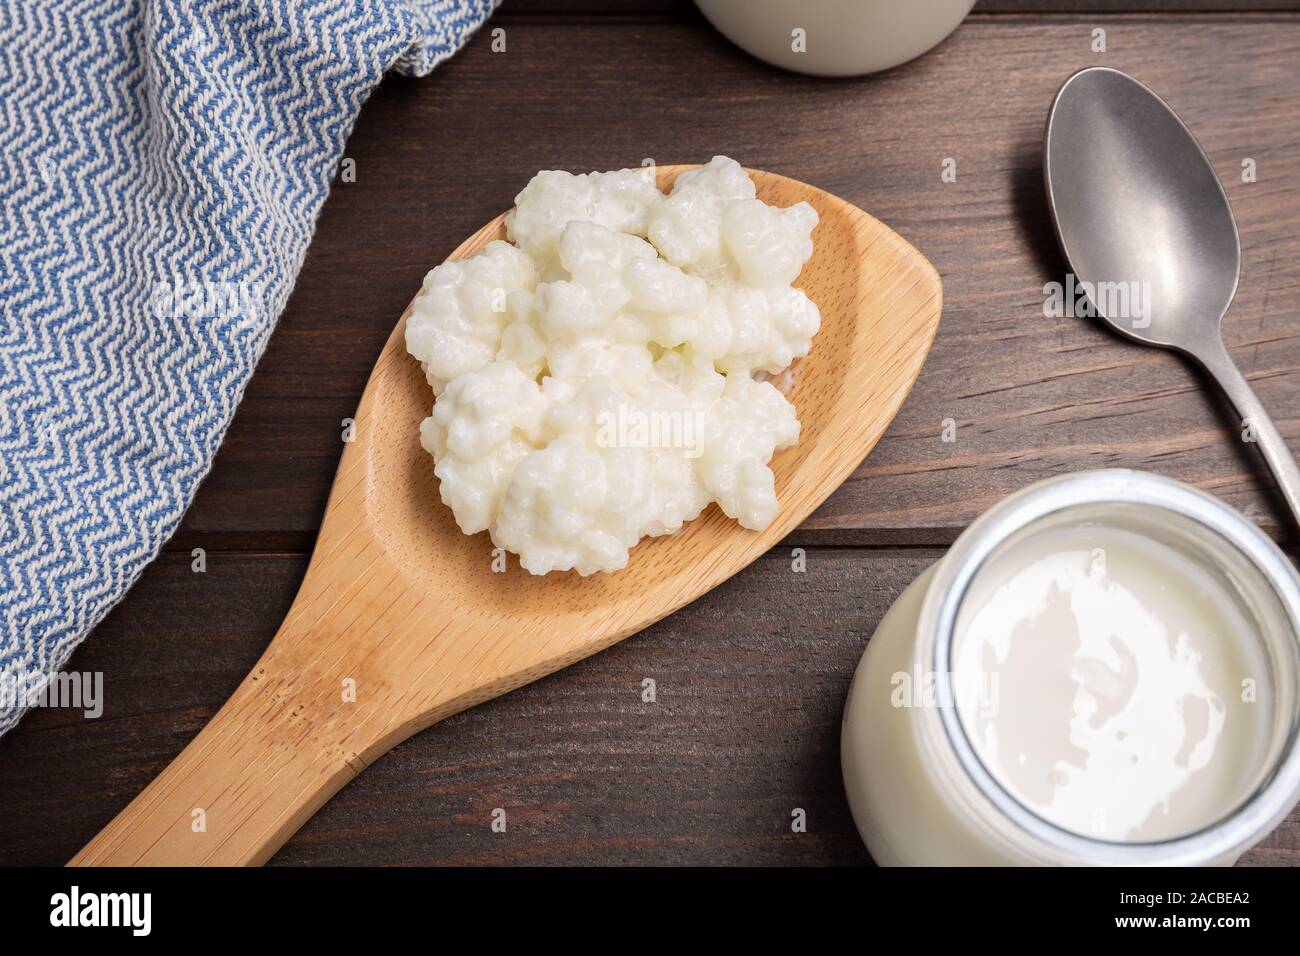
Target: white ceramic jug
{"x": 835, "y": 37}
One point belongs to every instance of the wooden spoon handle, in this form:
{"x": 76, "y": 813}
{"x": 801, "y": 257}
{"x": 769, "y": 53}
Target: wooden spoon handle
{"x": 281, "y": 746}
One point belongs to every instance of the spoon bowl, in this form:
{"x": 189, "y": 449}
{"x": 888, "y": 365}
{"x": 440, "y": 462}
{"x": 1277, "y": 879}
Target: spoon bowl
{"x": 1148, "y": 232}
{"x": 402, "y": 619}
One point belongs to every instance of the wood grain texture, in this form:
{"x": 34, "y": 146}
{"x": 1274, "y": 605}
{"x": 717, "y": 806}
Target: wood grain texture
{"x": 750, "y": 683}
{"x": 1031, "y": 397}
{"x": 403, "y": 620}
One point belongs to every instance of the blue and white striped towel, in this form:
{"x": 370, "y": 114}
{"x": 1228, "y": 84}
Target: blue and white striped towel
{"x": 162, "y": 163}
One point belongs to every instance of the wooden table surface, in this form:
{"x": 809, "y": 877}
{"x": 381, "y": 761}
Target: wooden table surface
{"x": 751, "y": 678}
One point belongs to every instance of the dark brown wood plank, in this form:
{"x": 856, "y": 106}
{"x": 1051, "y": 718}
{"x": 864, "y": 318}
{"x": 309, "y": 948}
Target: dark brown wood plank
{"x": 750, "y": 683}
{"x": 1031, "y": 396}
{"x": 745, "y": 729}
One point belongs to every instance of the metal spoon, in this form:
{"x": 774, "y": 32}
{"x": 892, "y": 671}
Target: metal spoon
{"x": 1147, "y": 230}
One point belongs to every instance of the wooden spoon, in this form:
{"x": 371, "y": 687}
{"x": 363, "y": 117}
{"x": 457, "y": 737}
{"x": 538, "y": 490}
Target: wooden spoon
{"x": 401, "y": 620}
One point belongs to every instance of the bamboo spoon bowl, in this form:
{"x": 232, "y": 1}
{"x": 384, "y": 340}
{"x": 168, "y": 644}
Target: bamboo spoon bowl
{"x": 401, "y": 619}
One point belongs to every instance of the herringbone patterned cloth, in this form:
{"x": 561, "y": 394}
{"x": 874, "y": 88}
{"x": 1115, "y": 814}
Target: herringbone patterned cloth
{"x": 162, "y": 163}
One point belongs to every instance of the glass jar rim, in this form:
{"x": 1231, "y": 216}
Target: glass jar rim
{"x": 1229, "y": 835}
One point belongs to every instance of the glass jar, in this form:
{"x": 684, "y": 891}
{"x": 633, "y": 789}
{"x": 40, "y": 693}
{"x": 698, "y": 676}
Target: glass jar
{"x": 919, "y": 791}
{"x": 835, "y": 37}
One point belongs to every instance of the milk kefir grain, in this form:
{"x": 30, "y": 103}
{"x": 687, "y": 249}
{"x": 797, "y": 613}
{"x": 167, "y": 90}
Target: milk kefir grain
{"x": 598, "y": 377}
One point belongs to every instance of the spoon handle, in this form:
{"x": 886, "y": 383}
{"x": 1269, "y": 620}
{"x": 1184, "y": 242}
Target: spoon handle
{"x": 326, "y": 699}
{"x": 1256, "y": 423}
{"x": 278, "y": 749}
